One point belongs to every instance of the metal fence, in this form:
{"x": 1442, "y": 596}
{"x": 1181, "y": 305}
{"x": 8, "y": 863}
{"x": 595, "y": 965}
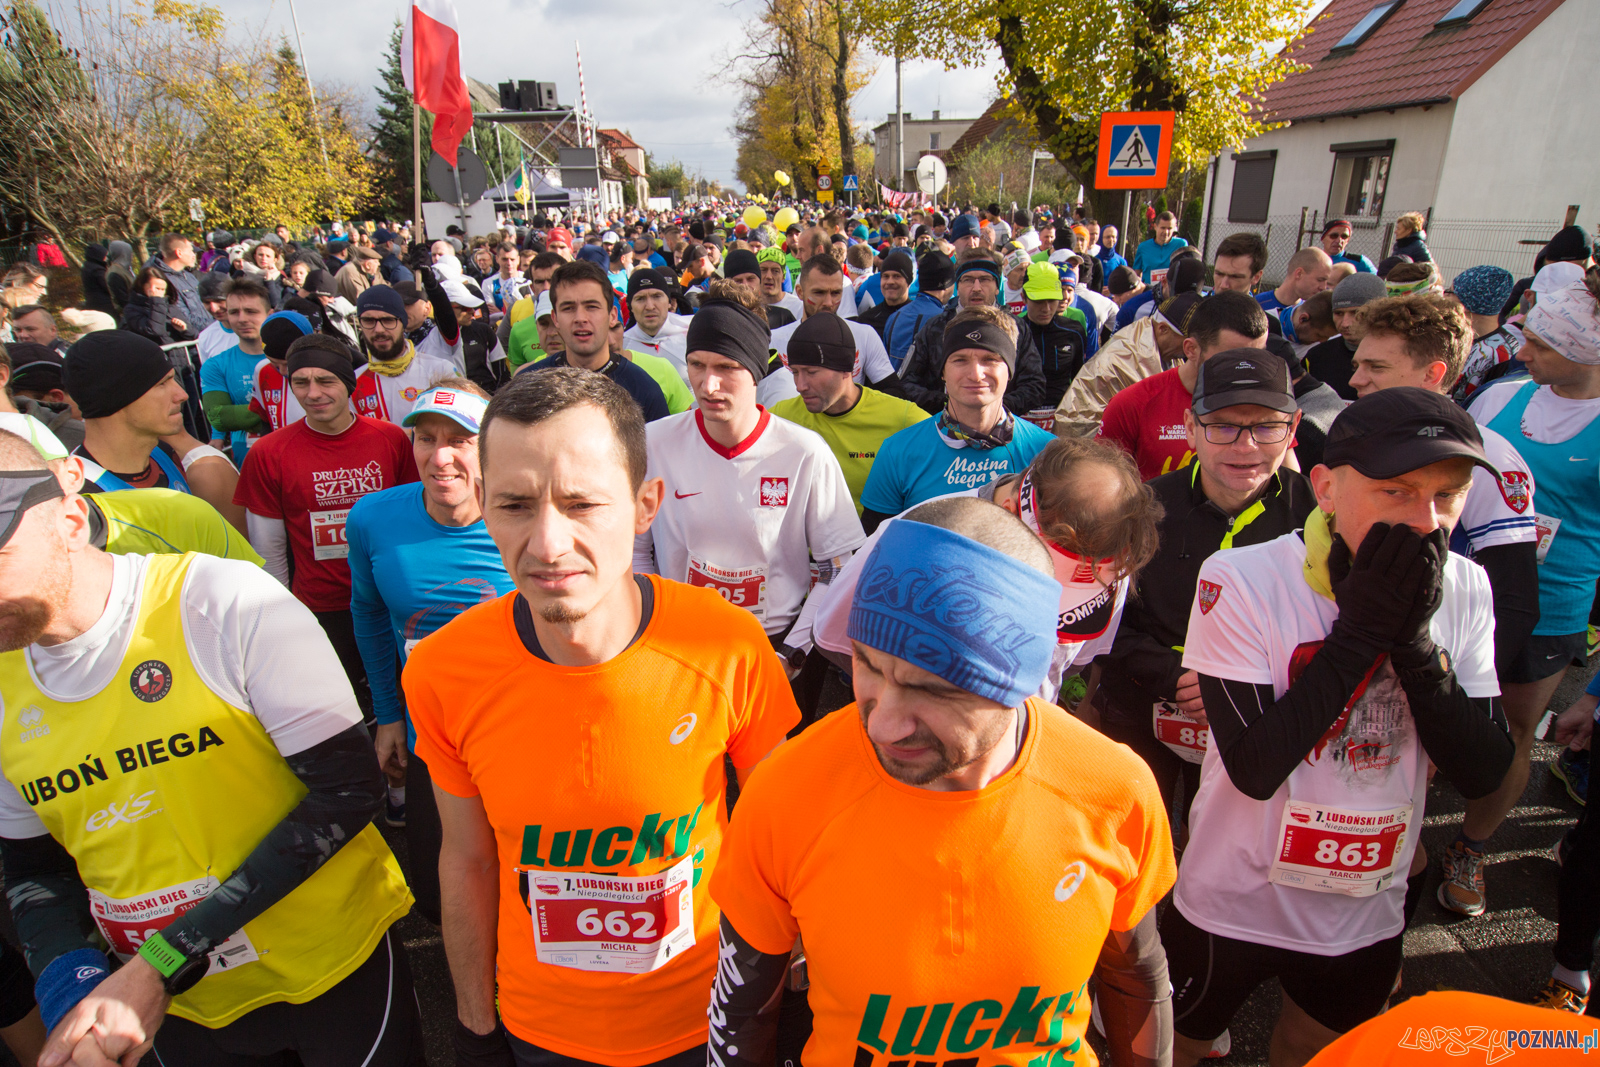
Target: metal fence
{"x": 1456, "y": 244}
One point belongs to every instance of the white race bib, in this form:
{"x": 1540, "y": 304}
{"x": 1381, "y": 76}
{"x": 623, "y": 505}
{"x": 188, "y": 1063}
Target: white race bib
{"x": 601, "y": 922}
{"x": 127, "y": 924}
{"x": 1179, "y": 732}
{"x": 1336, "y": 850}
{"x": 1546, "y": 526}
{"x": 743, "y": 587}
{"x": 327, "y": 534}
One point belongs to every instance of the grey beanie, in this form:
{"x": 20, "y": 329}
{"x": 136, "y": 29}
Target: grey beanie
{"x": 1358, "y": 289}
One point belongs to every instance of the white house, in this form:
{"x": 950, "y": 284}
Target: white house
{"x": 1481, "y": 114}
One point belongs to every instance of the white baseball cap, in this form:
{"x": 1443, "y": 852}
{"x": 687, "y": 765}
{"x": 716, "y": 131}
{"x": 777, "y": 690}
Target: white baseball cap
{"x": 459, "y": 294}
{"x": 466, "y": 409}
{"x": 544, "y": 307}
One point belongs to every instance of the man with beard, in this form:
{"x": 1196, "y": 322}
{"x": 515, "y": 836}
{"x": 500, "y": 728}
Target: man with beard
{"x": 395, "y": 373}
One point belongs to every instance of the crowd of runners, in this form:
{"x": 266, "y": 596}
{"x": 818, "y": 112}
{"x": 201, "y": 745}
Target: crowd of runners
{"x": 545, "y": 545}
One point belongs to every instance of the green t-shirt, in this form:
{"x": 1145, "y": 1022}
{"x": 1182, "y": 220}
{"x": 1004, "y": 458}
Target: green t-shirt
{"x": 164, "y": 521}
{"x": 855, "y": 436}
{"x": 664, "y": 374}
{"x": 522, "y": 344}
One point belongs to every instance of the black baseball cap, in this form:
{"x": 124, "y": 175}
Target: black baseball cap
{"x": 1243, "y": 376}
{"x": 1395, "y": 431}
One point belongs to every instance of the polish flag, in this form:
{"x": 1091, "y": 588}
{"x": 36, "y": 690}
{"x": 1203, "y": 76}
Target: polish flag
{"x": 430, "y": 55}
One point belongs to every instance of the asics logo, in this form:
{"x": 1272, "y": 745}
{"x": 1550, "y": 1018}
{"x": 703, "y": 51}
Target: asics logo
{"x": 1430, "y": 431}
{"x": 682, "y": 729}
{"x": 132, "y": 810}
{"x": 1077, "y": 871}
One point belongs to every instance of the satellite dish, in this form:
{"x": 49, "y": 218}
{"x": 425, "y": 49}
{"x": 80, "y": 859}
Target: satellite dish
{"x": 474, "y": 179}
{"x": 931, "y": 175}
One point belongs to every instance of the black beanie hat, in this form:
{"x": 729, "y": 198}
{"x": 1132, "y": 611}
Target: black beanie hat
{"x": 822, "y": 340}
{"x": 109, "y": 369}
{"x": 935, "y": 271}
{"x": 1569, "y": 245}
{"x": 740, "y": 261}
{"x": 899, "y": 261}
{"x": 278, "y": 333}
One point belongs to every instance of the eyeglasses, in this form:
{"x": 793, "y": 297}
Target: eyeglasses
{"x": 1338, "y": 236}
{"x": 1262, "y": 433}
{"x": 387, "y": 322}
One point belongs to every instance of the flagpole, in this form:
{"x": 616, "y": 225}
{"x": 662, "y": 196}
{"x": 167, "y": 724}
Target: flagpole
{"x": 416, "y": 165}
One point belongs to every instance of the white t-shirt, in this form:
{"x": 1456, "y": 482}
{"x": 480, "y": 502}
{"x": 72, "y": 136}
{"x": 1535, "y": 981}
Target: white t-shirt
{"x": 253, "y": 644}
{"x": 391, "y": 398}
{"x": 792, "y": 304}
{"x": 777, "y": 385}
{"x": 872, "y": 360}
{"x": 1256, "y": 620}
{"x": 847, "y": 306}
{"x": 670, "y": 342}
{"x": 1549, "y": 419}
{"x": 1499, "y": 511}
{"x": 437, "y": 347}
{"x": 748, "y": 521}
{"x": 35, "y": 433}
{"x": 214, "y": 339}
{"x": 829, "y": 619}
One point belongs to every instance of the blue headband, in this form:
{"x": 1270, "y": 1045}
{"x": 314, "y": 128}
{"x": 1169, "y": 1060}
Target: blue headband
{"x": 977, "y": 618}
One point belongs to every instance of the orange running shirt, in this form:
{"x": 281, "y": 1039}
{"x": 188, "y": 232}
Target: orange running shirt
{"x": 1463, "y": 1030}
{"x": 940, "y": 926}
{"x": 615, "y": 768}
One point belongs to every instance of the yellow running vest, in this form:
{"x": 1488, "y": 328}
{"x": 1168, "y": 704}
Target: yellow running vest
{"x": 160, "y": 789}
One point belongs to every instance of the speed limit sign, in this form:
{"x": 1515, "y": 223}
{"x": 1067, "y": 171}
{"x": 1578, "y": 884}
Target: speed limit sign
{"x": 824, "y": 181}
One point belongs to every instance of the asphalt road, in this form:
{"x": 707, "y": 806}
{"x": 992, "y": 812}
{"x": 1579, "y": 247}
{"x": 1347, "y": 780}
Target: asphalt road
{"x": 1505, "y": 952}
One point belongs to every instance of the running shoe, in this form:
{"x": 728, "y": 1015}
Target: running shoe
{"x": 1073, "y": 690}
{"x": 1594, "y": 639}
{"x": 393, "y": 814}
{"x": 1559, "y": 996}
{"x": 1462, "y": 888}
{"x": 1572, "y": 770}
{"x": 1220, "y": 1047}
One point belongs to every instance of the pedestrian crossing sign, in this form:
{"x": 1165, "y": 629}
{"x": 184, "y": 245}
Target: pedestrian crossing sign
{"x": 851, "y": 183}
{"x": 1135, "y": 150}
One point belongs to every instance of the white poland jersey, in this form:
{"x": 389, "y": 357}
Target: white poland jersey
{"x": 747, "y": 521}
{"x": 1256, "y": 620}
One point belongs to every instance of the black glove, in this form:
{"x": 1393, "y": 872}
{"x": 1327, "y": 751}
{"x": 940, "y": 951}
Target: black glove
{"x": 482, "y": 1050}
{"x": 1414, "y": 647}
{"x": 1378, "y": 589}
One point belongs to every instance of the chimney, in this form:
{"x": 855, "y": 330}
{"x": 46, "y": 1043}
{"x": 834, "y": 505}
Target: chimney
{"x": 908, "y": 116}
{"x": 935, "y": 116}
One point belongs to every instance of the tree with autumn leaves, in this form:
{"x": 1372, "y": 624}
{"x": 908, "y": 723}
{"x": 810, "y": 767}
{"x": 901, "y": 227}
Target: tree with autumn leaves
{"x": 1063, "y": 65}
{"x": 109, "y": 133}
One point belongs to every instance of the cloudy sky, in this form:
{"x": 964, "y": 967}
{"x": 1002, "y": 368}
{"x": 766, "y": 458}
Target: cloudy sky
{"x": 650, "y": 68}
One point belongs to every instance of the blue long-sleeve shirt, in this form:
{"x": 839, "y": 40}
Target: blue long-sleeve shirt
{"x": 409, "y": 575}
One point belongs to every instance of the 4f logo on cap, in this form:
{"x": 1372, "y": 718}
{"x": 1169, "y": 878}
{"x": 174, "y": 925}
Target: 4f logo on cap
{"x": 1515, "y": 490}
{"x": 774, "y": 492}
{"x": 1430, "y": 431}
{"x": 1209, "y": 593}
{"x": 151, "y": 680}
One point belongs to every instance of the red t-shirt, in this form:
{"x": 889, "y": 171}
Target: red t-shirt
{"x": 311, "y": 480}
{"x": 1146, "y": 419}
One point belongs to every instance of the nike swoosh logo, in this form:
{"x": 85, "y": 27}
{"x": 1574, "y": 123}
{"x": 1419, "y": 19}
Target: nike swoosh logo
{"x": 681, "y": 496}
{"x": 1577, "y": 459}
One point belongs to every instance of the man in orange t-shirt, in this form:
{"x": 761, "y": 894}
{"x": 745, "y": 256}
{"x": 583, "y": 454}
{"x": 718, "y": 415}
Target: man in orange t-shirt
{"x": 576, "y": 731}
{"x": 955, "y": 854}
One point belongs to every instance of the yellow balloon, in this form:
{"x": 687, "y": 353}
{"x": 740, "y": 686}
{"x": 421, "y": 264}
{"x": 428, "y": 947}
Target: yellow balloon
{"x": 785, "y": 218}
{"x": 754, "y": 216}
{"x": 780, "y": 177}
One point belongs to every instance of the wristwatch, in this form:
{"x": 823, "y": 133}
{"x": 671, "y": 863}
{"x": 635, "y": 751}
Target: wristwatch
{"x": 178, "y": 973}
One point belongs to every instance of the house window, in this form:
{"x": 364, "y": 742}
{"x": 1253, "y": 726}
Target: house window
{"x": 933, "y": 142}
{"x": 1360, "y": 175}
{"x": 1462, "y": 13}
{"x": 1252, "y": 185}
{"x": 1364, "y": 29}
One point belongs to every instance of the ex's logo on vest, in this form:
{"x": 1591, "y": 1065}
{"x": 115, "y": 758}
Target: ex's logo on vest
{"x": 151, "y": 680}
